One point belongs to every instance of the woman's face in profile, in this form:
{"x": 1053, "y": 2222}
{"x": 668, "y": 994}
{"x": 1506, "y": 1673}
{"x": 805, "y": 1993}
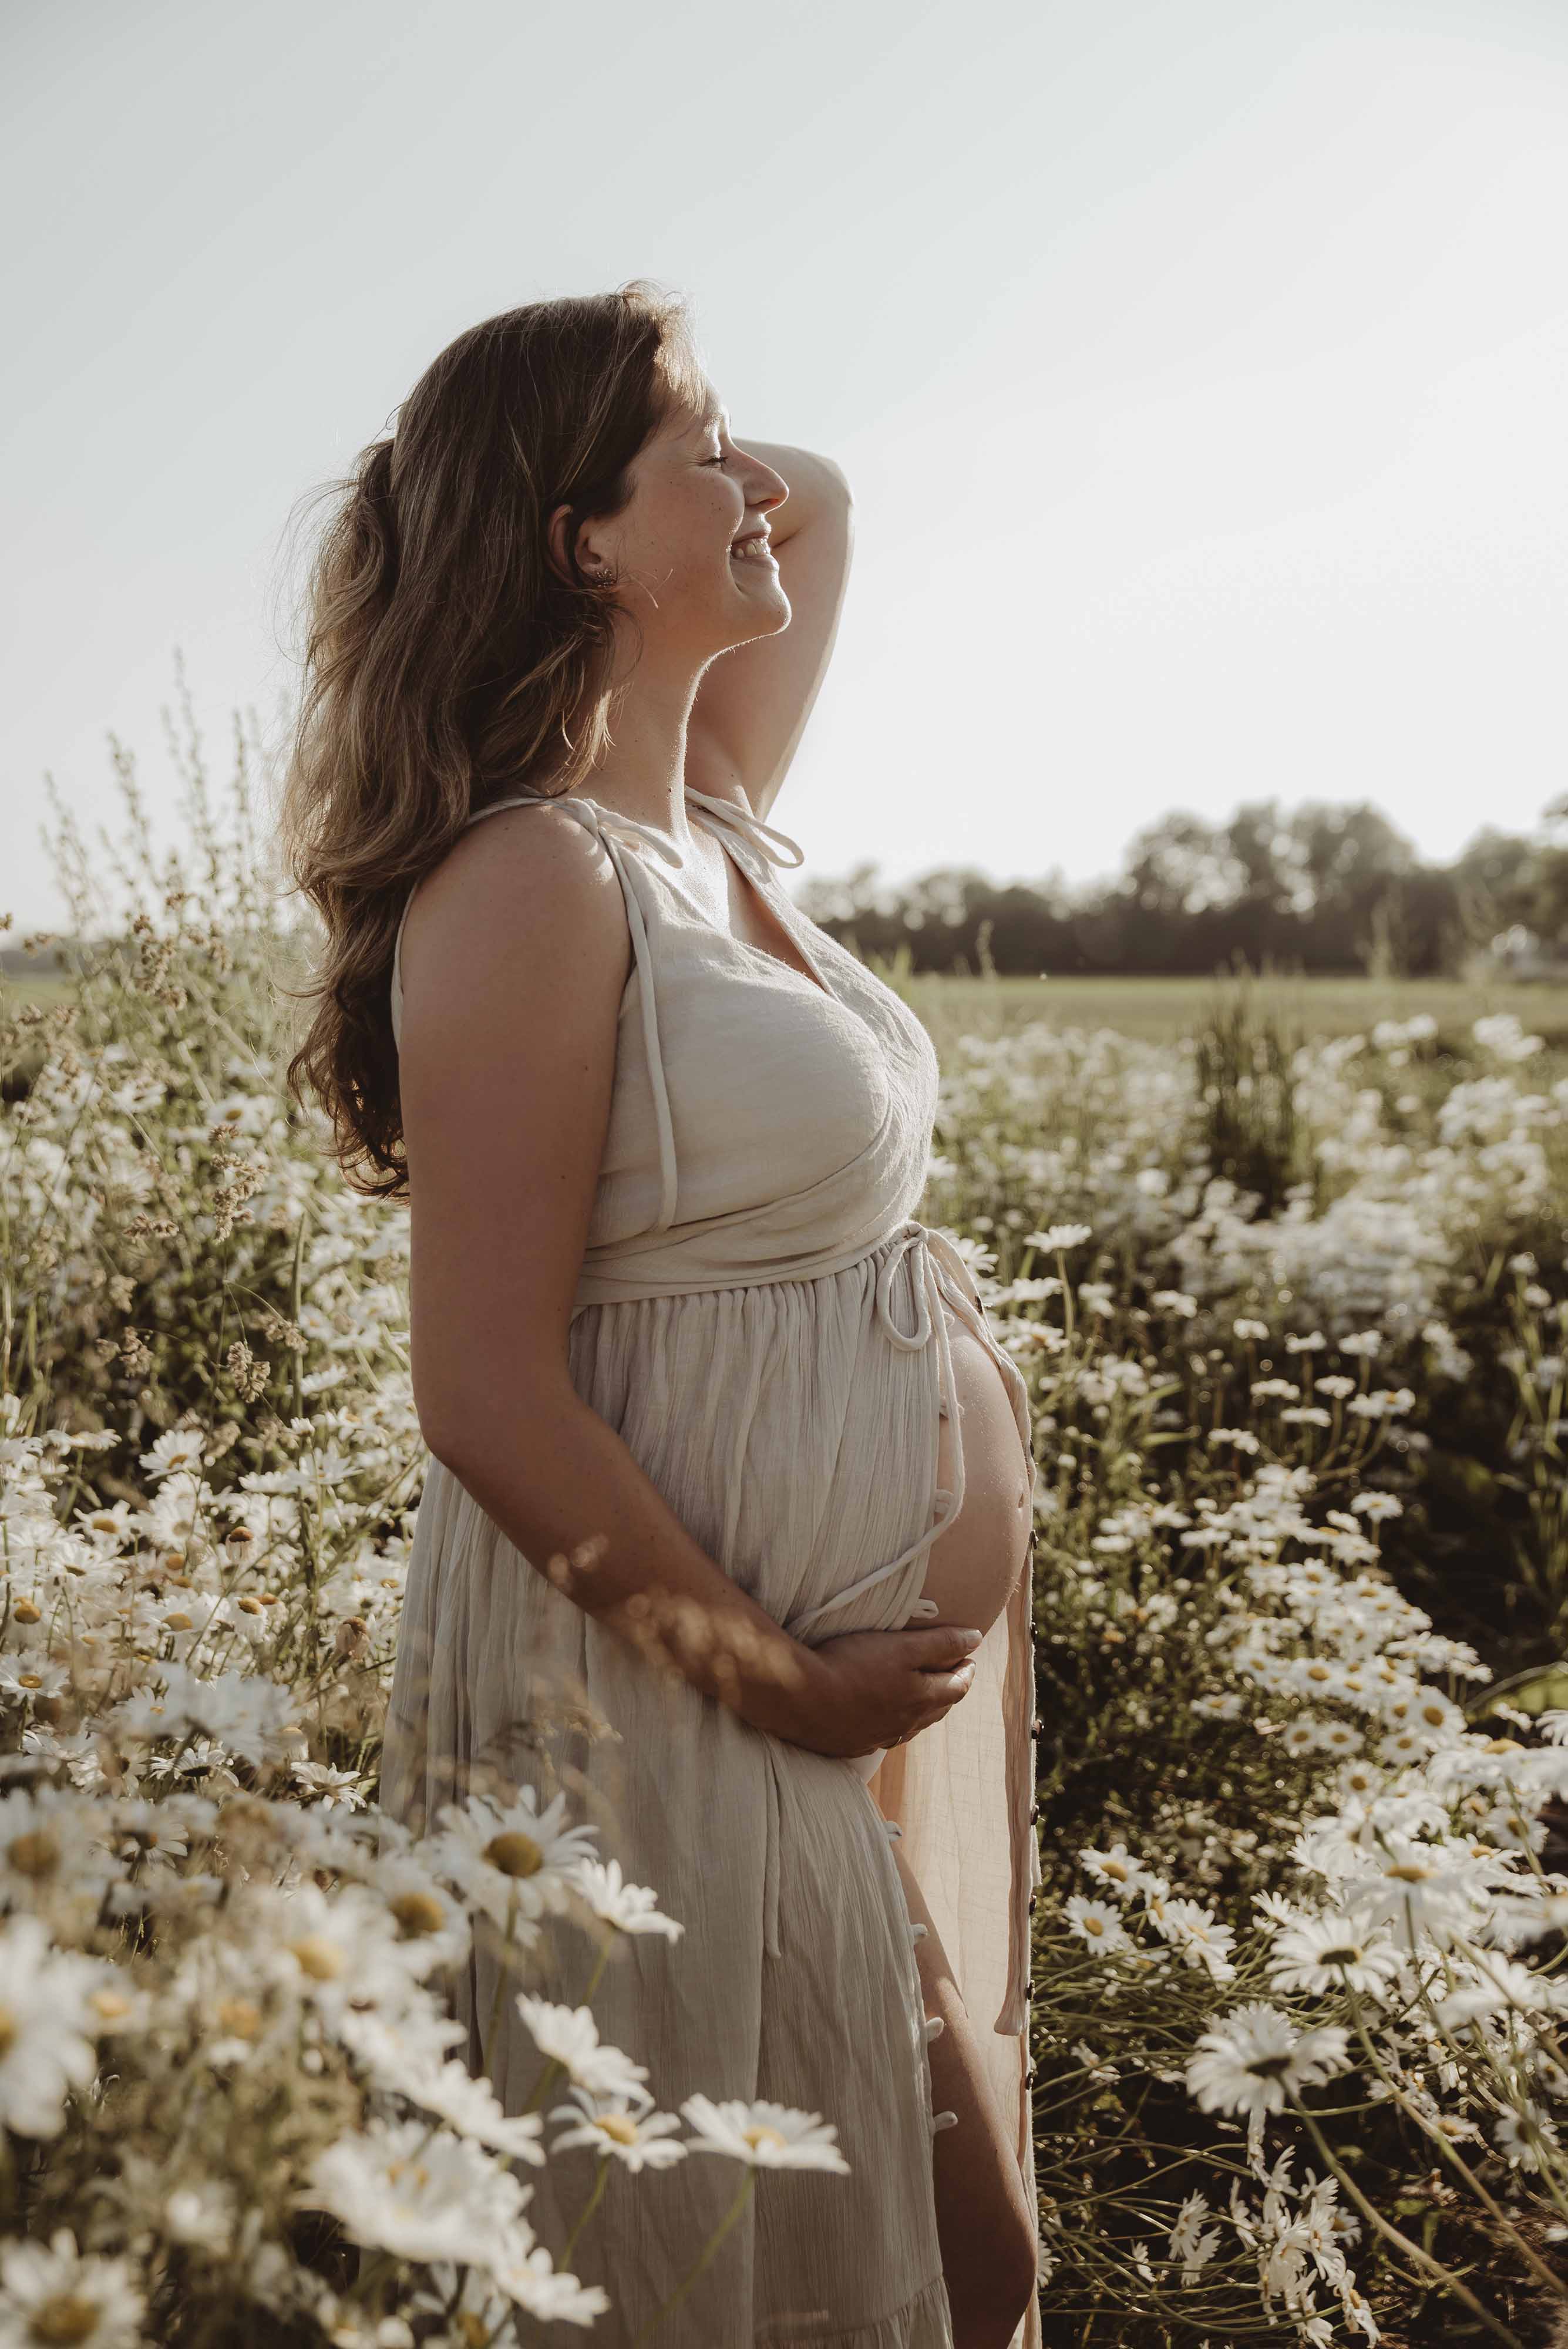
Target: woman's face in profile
{"x": 695, "y": 494}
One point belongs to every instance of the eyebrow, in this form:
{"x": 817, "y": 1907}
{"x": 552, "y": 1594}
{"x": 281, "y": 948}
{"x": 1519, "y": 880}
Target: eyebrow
{"x": 711, "y": 414}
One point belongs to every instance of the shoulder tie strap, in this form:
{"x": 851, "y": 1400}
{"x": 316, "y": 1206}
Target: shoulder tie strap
{"x": 751, "y": 829}
{"x": 606, "y": 823}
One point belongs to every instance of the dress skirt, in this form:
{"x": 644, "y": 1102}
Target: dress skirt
{"x": 798, "y": 1447}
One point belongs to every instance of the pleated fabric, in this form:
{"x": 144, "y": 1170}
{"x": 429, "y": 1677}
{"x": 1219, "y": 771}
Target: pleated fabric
{"x": 764, "y": 1324}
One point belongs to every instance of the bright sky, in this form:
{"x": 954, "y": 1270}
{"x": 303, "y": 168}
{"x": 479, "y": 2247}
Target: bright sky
{"x": 1200, "y": 367}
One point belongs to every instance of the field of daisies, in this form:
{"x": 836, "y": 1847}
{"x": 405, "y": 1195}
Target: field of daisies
{"x": 1293, "y": 1312}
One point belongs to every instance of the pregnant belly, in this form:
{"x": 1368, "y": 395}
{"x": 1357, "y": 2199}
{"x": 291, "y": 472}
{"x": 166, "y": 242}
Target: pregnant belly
{"x": 971, "y": 1568}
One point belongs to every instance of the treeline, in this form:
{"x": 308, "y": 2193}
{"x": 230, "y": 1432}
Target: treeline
{"x": 1328, "y": 889}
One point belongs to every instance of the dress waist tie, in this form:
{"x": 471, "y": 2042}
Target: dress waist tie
{"x": 930, "y": 1317}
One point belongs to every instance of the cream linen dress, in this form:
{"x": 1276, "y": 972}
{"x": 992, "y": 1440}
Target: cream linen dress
{"x": 764, "y": 1325}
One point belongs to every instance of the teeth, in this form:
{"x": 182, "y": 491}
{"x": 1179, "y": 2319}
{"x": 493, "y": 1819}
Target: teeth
{"x": 752, "y": 550}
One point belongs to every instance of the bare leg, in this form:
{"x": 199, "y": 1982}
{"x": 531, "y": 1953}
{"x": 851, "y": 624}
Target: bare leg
{"x": 987, "y": 2232}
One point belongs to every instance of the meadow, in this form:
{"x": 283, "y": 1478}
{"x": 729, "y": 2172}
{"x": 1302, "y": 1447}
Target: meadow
{"x": 1284, "y": 1267}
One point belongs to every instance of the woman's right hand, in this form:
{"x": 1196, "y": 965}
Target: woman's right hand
{"x": 871, "y": 1689}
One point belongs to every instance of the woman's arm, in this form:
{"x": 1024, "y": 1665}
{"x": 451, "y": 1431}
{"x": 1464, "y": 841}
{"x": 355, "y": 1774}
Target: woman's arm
{"x": 752, "y": 702}
{"x": 515, "y": 960}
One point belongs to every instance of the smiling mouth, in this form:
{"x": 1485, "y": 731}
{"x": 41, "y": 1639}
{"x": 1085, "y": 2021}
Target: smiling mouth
{"x": 754, "y": 550}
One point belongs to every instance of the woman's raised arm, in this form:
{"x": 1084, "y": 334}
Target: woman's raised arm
{"x": 752, "y": 701}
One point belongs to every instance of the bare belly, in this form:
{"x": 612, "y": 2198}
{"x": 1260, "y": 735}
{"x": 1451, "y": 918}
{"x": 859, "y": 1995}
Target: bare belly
{"x": 971, "y": 1568}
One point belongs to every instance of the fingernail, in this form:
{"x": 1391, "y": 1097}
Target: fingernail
{"x": 974, "y": 1638}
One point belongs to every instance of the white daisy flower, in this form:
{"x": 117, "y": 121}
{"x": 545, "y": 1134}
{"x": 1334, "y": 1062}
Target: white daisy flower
{"x": 1115, "y": 1869}
{"x": 202, "y": 2213}
{"x": 1321, "y": 1953}
{"x": 398, "y": 2187}
{"x": 570, "y": 2037}
{"x": 631, "y": 2134}
{"x": 766, "y": 2136}
{"x": 517, "y": 1863}
{"x": 1527, "y": 1917}
{"x": 337, "y": 1950}
{"x": 420, "y": 1905}
{"x": 25, "y": 1678}
{"x": 1096, "y": 1921}
{"x": 1490, "y": 1985}
{"x": 49, "y": 2016}
{"x": 1192, "y": 1930}
{"x": 470, "y": 2106}
{"x": 178, "y": 1448}
{"x": 629, "y": 1908}
{"x": 50, "y": 1851}
{"x": 59, "y": 2293}
{"x": 528, "y": 2276}
{"x": 1254, "y": 2056}
{"x": 1522, "y": 2138}
{"x": 1192, "y": 2243}
{"x": 396, "y": 2048}
{"x": 1419, "y": 1890}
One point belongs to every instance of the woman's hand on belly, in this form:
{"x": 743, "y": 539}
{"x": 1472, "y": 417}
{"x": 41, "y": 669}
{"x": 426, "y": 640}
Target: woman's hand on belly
{"x": 868, "y": 1690}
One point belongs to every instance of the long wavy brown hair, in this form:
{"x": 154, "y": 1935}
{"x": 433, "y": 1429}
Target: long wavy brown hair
{"x": 447, "y": 661}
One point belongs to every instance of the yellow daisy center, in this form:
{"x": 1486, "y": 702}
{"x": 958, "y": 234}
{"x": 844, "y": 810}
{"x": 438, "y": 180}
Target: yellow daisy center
{"x": 314, "y": 1955}
{"x": 515, "y": 1854}
{"x": 34, "y": 1854}
{"x": 418, "y": 1913}
{"x": 64, "y": 2320}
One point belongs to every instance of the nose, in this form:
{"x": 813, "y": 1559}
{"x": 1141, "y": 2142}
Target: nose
{"x": 767, "y": 489}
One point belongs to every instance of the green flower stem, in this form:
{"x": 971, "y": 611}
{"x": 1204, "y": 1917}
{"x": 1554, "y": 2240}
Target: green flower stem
{"x": 705, "y": 2255}
{"x": 1423, "y": 2261}
{"x": 586, "y": 2212}
{"x": 543, "y": 2086}
{"x": 501, "y": 1975}
{"x": 1452, "y": 2155}
{"x": 600, "y": 1962}
{"x": 296, "y": 1306}
{"x": 1536, "y": 2265}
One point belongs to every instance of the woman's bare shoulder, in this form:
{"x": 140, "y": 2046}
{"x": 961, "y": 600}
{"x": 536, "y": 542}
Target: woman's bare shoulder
{"x": 527, "y": 894}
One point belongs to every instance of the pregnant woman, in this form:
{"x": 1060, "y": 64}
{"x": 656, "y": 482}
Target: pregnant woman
{"x": 728, "y": 1514}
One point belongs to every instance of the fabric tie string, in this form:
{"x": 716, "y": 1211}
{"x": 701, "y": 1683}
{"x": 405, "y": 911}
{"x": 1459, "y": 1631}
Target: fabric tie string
{"x": 912, "y": 1238}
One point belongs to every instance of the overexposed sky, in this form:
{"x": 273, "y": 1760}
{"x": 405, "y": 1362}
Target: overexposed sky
{"x": 1200, "y": 367}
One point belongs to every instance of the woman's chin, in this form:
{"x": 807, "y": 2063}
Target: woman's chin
{"x": 763, "y": 612}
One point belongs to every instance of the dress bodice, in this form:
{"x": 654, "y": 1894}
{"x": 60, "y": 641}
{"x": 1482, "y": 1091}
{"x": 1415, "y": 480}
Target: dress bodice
{"x": 763, "y": 1125}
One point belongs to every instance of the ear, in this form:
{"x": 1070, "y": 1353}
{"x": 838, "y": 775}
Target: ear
{"x": 556, "y": 530}
{"x": 591, "y": 556}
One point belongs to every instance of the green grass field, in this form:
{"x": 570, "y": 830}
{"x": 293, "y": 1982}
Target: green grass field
{"x": 1157, "y": 1010}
